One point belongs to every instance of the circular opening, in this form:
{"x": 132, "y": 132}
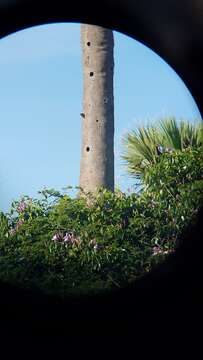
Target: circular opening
{"x": 42, "y": 136}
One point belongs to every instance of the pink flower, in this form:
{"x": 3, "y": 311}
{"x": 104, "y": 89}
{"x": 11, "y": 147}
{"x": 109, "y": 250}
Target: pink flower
{"x": 57, "y": 237}
{"x": 68, "y": 237}
{"x": 13, "y": 231}
{"x": 21, "y": 207}
{"x": 19, "y": 223}
{"x": 156, "y": 250}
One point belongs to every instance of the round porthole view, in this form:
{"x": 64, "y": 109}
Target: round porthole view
{"x": 101, "y": 159}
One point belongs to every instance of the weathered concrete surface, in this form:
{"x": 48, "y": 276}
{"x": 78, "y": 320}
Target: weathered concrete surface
{"x": 97, "y": 153}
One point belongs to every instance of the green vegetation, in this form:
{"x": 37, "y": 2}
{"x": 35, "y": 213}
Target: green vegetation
{"x": 140, "y": 145}
{"x": 65, "y": 246}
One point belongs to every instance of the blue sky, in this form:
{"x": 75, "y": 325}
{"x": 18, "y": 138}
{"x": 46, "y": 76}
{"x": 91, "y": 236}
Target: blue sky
{"x": 41, "y": 101}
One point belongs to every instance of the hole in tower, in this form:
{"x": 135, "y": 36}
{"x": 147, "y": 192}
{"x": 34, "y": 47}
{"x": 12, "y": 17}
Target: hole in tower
{"x": 91, "y": 73}
{"x": 88, "y": 43}
{"x": 87, "y": 148}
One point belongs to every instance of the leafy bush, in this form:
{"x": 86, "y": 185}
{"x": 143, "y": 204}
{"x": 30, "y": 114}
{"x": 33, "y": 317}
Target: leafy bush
{"x": 174, "y": 170}
{"x": 100, "y": 241}
{"x": 63, "y": 243}
{"x": 174, "y": 188}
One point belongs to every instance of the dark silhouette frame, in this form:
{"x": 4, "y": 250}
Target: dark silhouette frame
{"x": 173, "y": 29}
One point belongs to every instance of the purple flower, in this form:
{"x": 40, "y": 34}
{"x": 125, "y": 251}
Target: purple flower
{"x": 22, "y": 206}
{"x": 168, "y": 251}
{"x": 156, "y": 250}
{"x": 57, "y": 237}
{"x": 13, "y": 231}
{"x": 19, "y": 223}
{"x": 68, "y": 237}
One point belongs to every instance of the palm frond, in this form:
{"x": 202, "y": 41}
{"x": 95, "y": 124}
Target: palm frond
{"x": 140, "y": 149}
{"x": 139, "y": 146}
{"x": 171, "y": 133}
{"x": 200, "y": 133}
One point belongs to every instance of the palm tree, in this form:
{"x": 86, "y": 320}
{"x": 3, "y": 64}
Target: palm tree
{"x": 97, "y": 153}
{"x": 143, "y": 145}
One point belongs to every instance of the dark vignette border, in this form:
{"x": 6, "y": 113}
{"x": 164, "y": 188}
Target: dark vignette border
{"x": 171, "y": 295}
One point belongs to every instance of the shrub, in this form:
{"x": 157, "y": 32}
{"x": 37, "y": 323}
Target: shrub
{"x": 67, "y": 244}
{"x": 174, "y": 170}
{"x": 173, "y": 188}
{"x": 101, "y": 241}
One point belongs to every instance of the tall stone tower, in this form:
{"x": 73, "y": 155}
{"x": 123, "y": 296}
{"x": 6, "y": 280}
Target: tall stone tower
{"x": 97, "y": 153}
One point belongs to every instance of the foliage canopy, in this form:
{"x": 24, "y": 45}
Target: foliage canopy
{"x": 61, "y": 245}
{"x": 140, "y": 145}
